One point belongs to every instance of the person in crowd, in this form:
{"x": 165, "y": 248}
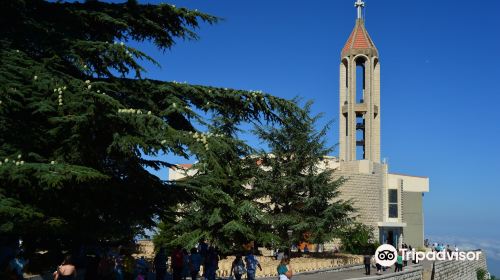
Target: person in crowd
{"x": 16, "y": 267}
{"x": 251, "y": 264}
{"x": 66, "y": 270}
{"x": 306, "y": 249}
{"x": 194, "y": 263}
{"x": 128, "y": 266}
{"x": 160, "y": 264}
{"x": 92, "y": 266}
{"x": 203, "y": 250}
{"x": 367, "y": 260}
{"x": 185, "y": 264}
{"x": 119, "y": 268}
{"x": 379, "y": 268}
{"x": 399, "y": 263}
{"x": 238, "y": 267}
{"x": 279, "y": 254}
{"x": 211, "y": 263}
{"x": 141, "y": 267}
{"x": 285, "y": 269}
{"x": 410, "y": 256}
{"x": 405, "y": 249}
{"x": 177, "y": 260}
{"x": 105, "y": 269}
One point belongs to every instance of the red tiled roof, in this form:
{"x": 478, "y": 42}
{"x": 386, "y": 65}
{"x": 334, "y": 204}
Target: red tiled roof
{"x": 359, "y": 39}
{"x": 184, "y": 165}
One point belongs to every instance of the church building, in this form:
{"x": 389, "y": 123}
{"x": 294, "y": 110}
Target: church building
{"x": 391, "y": 203}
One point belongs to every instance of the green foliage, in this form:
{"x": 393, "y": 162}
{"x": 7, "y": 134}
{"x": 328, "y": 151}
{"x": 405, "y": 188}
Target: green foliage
{"x": 358, "y": 238}
{"x": 481, "y": 274}
{"x": 291, "y": 187}
{"x": 77, "y": 136}
{"x": 217, "y": 206}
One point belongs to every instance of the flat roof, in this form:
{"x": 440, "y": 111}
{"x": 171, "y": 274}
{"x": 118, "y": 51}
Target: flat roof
{"x": 402, "y": 174}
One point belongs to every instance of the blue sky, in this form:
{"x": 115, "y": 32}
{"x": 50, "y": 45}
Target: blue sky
{"x": 439, "y": 63}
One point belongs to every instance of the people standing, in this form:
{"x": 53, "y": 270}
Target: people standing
{"x": 185, "y": 264}
{"x": 251, "y": 263}
{"x": 399, "y": 263}
{"x": 142, "y": 267}
{"x": 367, "y": 259}
{"x": 238, "y": 267}
{"x": 284, "y": 269}
{"x": 177, "y": 260}
{"x": 105, "y": 268}
{"x": 194, "y": 263}
{"x": 211, "y": 263}
{"x": 160, "y": 264}
{"x": 66, "y": 270}
{"x": 16, "y": 267}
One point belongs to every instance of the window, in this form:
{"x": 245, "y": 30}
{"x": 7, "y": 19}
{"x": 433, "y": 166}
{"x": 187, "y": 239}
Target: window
{"x": 393, "y": 203}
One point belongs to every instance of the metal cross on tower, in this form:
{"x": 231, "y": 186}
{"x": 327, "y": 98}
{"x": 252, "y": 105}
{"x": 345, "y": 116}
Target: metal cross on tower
{"x": 359, "y": 5}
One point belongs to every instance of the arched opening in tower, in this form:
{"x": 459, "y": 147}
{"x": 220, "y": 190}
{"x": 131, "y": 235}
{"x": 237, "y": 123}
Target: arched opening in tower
{"x": 360, "y": 98}
{"x": 360, "y": 79}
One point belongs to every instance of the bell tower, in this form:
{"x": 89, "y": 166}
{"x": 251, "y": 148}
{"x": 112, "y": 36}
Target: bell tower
{"x": 359, "y": 95}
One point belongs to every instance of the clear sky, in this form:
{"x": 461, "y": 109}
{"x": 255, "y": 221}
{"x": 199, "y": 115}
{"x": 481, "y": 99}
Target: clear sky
{"x": 440, "y": 89}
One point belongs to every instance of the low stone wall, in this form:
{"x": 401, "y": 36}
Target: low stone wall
{"x": 300, "y": 265}
{"x": 464, "y": 270}
{"x": 413, "y": 273}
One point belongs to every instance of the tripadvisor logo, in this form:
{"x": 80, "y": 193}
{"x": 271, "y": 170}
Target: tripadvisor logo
{"x": 386, "y": 255}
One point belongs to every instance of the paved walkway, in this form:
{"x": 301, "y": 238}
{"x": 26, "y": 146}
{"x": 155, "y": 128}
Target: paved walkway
{"x": 341, "y": 275}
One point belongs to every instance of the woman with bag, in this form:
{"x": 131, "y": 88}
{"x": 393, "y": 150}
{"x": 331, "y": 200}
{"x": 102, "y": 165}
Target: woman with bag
{"x": 238, "y": 267}
{"x": 66, "y": 271}
{"x": 285, "y": 269}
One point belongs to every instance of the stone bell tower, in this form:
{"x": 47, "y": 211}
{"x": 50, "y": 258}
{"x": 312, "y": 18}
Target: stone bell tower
{"x": 359, "y": 95}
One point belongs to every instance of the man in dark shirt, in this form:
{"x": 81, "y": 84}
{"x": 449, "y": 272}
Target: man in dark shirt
{"x": 367, "y": 261}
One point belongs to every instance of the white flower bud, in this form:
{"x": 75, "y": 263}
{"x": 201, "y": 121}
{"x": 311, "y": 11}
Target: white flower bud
{"x": 64, "y": 87}
{"x": 98, "y": 91}
{"x": 53, "y": 162}
{"x": 6, "y": 160}
{"x": 163, "y": 141}
{"x": 17, "y": 163}
{"x": 89, "y": 87}
{"x": 121, "y": 44}
{"x": 149, "y": 112}
{"x": 87, "y": 81}
{"x": 22, "y": 161}
{"x": 35, "y": 78}
{"x": 84, "y": 66}
{"x": 19, "y": 156}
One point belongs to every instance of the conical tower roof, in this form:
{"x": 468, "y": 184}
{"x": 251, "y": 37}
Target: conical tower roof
{"x": 359, "y": 41}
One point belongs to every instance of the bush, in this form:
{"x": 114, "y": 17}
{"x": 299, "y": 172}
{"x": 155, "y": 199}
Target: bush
{"x": 358, "y": 238}
{"x": 481, "y": 274}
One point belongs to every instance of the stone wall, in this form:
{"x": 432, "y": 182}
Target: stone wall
{"x": 463, "y": 270}
{"x": 365, "y": 190}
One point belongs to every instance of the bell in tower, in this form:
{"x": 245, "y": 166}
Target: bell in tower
{"x": 359, "y": 95}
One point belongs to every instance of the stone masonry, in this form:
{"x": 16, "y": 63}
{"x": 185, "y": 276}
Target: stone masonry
{"x": 365, "y": 191}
